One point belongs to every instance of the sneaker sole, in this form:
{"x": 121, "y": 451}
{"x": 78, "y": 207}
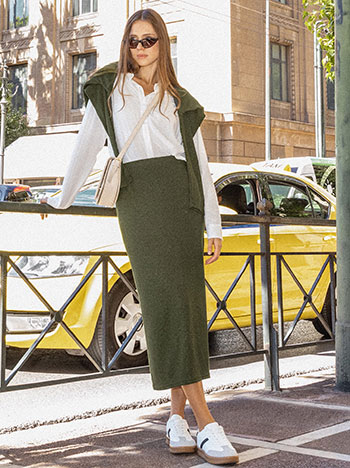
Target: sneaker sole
{"x": 180, "y": 449}
{"x": 217, "y": 460}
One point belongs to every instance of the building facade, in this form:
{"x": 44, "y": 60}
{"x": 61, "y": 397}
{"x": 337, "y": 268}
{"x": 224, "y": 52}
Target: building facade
{"x": 218, "y": 49}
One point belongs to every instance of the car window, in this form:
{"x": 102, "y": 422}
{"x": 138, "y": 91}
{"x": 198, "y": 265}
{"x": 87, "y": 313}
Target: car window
{"x": 296, "y": 200}
{"x": 321, "y": 207}
{"x": 238, "y": 196}
{"x": 289, "y": 199}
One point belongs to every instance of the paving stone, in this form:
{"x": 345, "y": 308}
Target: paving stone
{"x": 288, "y": 460}
{"x": 270, "y": 421}
{"x": 337, "y": 443}
{"x": 79, "y": 453}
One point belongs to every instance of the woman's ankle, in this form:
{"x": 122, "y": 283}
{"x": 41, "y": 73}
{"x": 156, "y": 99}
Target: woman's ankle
{"x": 202, "y": 423}
{"x": 179, "y": 413}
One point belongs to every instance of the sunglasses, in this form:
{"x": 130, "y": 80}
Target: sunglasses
{"x": 146, "y": 43}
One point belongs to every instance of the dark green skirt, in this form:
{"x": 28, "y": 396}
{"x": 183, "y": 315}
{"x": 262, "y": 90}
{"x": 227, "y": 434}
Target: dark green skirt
{"x": 164, "y": 241}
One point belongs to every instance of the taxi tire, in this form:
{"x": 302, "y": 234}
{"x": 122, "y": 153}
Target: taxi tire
{"x": 115, "y": 296}
{"x": 326, "y": 313}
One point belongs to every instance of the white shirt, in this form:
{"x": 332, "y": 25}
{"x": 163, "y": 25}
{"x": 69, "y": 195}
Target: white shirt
{"x": 159, "y": 136}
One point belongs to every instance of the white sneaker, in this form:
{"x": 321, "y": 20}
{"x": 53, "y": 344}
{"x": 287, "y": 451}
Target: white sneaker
{"x": 178, "y": 435}
{"x": 214, "y": 446}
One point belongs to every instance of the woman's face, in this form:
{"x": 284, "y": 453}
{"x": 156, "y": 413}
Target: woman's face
{"x": 144, "y": 57}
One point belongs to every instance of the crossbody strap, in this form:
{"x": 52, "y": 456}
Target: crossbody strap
{"x": 144, "y": 116}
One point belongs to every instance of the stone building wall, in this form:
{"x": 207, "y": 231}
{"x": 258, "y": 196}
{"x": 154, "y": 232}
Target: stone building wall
{"x": 239, "y": 136}
{"x": 225, "y": 74}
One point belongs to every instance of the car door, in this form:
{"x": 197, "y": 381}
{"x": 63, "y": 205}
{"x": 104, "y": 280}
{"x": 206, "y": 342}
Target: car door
{"x": 293, "y": 198}
{"x": 237, "y": 194}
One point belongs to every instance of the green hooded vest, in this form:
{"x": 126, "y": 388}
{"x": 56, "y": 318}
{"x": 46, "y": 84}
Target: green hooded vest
{"x": 191, "y": 114}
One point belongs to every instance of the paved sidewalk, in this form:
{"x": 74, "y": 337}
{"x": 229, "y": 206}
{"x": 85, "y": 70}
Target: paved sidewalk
{"x": 306, "y": 425}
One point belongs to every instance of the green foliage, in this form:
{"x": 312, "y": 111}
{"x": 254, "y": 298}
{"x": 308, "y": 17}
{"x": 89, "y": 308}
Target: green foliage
{"x": 16, "y": 123}
{"x": 19, "y": 22}
{"x": 319, "y": 14}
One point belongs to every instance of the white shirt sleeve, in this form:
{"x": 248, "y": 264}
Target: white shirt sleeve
{"x": 90, "y": 141}
{"x": 211, "y": 206}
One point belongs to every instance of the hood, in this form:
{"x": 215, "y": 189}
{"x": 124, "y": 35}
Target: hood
{"x": 28, "y": 232}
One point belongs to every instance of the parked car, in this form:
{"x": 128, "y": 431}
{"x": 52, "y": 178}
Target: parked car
{"x": 320, "y": 170}
{"x": 239, "y": 188}
{"x": 15, "y": 192}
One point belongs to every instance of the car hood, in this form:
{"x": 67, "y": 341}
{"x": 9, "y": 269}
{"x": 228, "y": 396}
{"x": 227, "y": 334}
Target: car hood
{"x": 28, "y": 232}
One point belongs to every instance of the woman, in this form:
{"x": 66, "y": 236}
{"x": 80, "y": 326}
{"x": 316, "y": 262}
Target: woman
{"x": 166, "y": 188}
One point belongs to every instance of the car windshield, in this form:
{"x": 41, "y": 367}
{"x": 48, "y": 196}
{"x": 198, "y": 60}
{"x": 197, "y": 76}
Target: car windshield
{"x": 84, "y": 198}
{"x": 325, "y": 176}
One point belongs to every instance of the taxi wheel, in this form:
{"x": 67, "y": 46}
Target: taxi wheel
{"x": 123, "y": 312}
{"x": 326, "y": 313}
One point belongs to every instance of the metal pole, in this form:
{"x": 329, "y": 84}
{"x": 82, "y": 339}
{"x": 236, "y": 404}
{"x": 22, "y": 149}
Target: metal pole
{"x": 3, "y": 105}
{"x": 319, "y": 98}
{"x": 3, "y": 293}
{"x": 267, "y": 85}
{"x": 342, "y": 96}
{"x": 317, "y": 141}
{"x": 269, "y": 333}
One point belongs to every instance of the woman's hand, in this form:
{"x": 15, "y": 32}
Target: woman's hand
{"x": 44, "y": 201}
{"x": 215, "y": 243}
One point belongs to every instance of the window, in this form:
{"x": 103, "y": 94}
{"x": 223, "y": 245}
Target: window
{"x": 291, "y": 200}
{"x": 80, "y": 7}
{"x": 173, "y": 51}
{"x": 279, "y": 72}
{"x": 83, "y": 65}
{"x": 320, "y": 206}
{"x": 239, "y": 197}
{"x": 17, "y": 13}
{"x": 282, "y": 1}
{"x": 18, "y": 76}
{"x": 330, "y": 95}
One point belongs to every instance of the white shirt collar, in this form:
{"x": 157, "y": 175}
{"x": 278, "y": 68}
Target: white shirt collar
{"x": 130, "y": 76}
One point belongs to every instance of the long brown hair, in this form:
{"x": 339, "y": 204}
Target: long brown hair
{"x": 167, "y": 80}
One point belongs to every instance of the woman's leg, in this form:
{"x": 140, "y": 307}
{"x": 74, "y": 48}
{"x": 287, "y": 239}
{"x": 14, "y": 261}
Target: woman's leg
{"x": 219, "y": 450}
{"x": 178, "y": 401}
{"x": 195, "y": 395}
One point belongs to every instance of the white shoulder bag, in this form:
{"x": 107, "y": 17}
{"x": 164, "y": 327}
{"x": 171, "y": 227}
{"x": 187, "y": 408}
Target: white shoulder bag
{"x": 108, "y": 189}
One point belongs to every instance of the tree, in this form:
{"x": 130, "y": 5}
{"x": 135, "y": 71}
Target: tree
{"x": 16, "y": 123}
{"x": 319, "y": 14}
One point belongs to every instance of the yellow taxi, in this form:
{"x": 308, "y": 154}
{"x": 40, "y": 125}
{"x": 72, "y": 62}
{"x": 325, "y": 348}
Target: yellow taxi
{"x": 239, "y": 188}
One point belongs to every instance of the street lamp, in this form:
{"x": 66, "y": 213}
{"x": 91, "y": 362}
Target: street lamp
{"x": 3, "y": 106}
{"x": 267, "y": 84}
{"x": 319, "y": 103}
{"x": 4, "y": 95}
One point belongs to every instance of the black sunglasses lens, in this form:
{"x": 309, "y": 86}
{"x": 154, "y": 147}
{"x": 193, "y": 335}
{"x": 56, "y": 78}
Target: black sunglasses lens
{"x": 133, "y": 43}
{"x": 148, "y": 42}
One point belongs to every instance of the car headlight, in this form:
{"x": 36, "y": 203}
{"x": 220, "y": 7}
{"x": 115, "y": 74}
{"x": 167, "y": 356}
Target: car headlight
{"x": 17, "y": 322}
{"x": 50, "y": 266}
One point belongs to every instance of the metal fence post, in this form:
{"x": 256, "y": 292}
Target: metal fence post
{"x": 3, "y": 292}
{"x": 269, "y": 333}
{"x": 104, "y": 313}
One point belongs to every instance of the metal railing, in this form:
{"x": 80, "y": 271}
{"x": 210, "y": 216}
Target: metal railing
{"x": 272, "y": 340}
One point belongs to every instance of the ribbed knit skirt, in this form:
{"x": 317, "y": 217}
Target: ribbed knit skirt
{"x": 164, "y": 241}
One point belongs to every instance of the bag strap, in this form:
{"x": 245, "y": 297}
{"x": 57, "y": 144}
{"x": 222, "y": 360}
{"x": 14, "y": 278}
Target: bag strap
{"x": 144, "y": 116}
